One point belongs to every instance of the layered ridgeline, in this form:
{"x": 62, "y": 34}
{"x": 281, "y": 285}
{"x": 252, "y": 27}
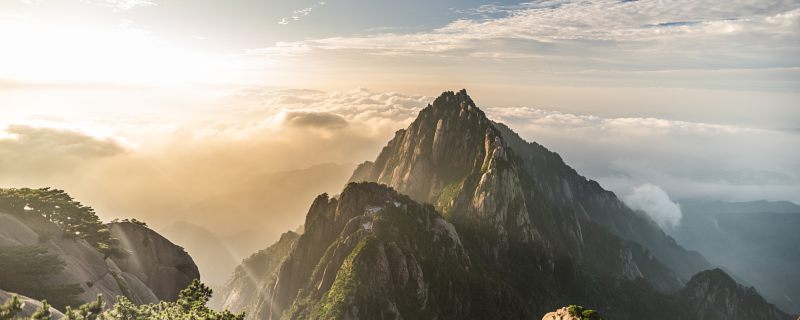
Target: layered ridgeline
{"x": 511, "y": 232}
{"x": 54, "y": 248}
{"x": 756, "y": 241}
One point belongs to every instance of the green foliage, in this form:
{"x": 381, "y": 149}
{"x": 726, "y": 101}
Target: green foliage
{"x": 89, "y": 311}
{"x": 448, "y": 194}
{"x": 190, "y": 306}
{"x": 10, "y": 308}
{"x": 583, "y": 313}
{"x": 75, "y": 219}
{"x": 27, "y": 269}
{"x": 333, "y": 304}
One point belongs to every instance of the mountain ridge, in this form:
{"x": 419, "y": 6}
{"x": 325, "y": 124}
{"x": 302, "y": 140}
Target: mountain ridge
{"x": 516, "y": 251}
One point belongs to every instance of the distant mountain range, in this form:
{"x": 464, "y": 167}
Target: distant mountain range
{"x": 460, "y": 218}
{"x": 757, "y": 241}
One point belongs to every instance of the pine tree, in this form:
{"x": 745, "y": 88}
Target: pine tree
{"x": 43, "y": 313}
{"x": 27, "y": 269}
{"x": 10, "y": 308}
{"x": 74, "y": 218}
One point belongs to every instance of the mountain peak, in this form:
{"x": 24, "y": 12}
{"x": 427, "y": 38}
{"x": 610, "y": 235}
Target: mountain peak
{"x": 713, "y": 294}
{"x": 716, "y": 276}
{"x": 460, "y": 98}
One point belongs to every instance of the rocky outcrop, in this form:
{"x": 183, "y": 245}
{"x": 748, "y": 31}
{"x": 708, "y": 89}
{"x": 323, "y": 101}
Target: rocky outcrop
{"x": 155, "y": 270}
{"x": 241, "y": 292}
{"x": 713, "y": 295}
{"x": 29, "y": 306}
{"x": 162, "y": 266}
{"x": 84, "y": 265}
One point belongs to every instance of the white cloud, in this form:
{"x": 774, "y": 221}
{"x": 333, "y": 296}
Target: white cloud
{"x": 300, "y": 13}
{"x": 655, "y": 202}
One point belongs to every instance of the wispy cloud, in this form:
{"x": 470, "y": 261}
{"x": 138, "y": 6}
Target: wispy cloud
{"x": 300, "y": 13}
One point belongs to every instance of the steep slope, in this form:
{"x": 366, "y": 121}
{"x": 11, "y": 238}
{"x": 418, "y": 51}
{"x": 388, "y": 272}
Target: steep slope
{"x": 162, "y": 266}
{"x": 563, "y": 186}
{"x": 242, "y": 289}
{"x": 749, "y": 238}
{"x": 713, "y": 295}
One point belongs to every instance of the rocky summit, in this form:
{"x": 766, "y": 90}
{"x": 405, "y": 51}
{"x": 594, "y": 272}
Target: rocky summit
{"x": 460, "y": 218}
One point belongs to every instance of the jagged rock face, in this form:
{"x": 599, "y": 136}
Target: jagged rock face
{"x": 241, "y": 292}
{"x": 371, "y": 254}
{"x": 29, "y": 306}
{"x": 713, "y": 295}
{"x": 162, "y": 266}
{"x": 85, "y": 266}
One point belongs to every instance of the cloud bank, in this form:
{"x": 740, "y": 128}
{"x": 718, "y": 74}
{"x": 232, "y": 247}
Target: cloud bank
{"x": 29, "y": 152}
{"x": 654, "y": 202}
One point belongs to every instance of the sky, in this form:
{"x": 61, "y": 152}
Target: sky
{"x": 164, "y": 109}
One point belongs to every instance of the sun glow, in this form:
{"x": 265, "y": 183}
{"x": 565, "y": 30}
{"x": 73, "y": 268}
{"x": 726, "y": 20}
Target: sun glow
{"x": 53, "y": 54}
{"x": 120, "y": 53}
